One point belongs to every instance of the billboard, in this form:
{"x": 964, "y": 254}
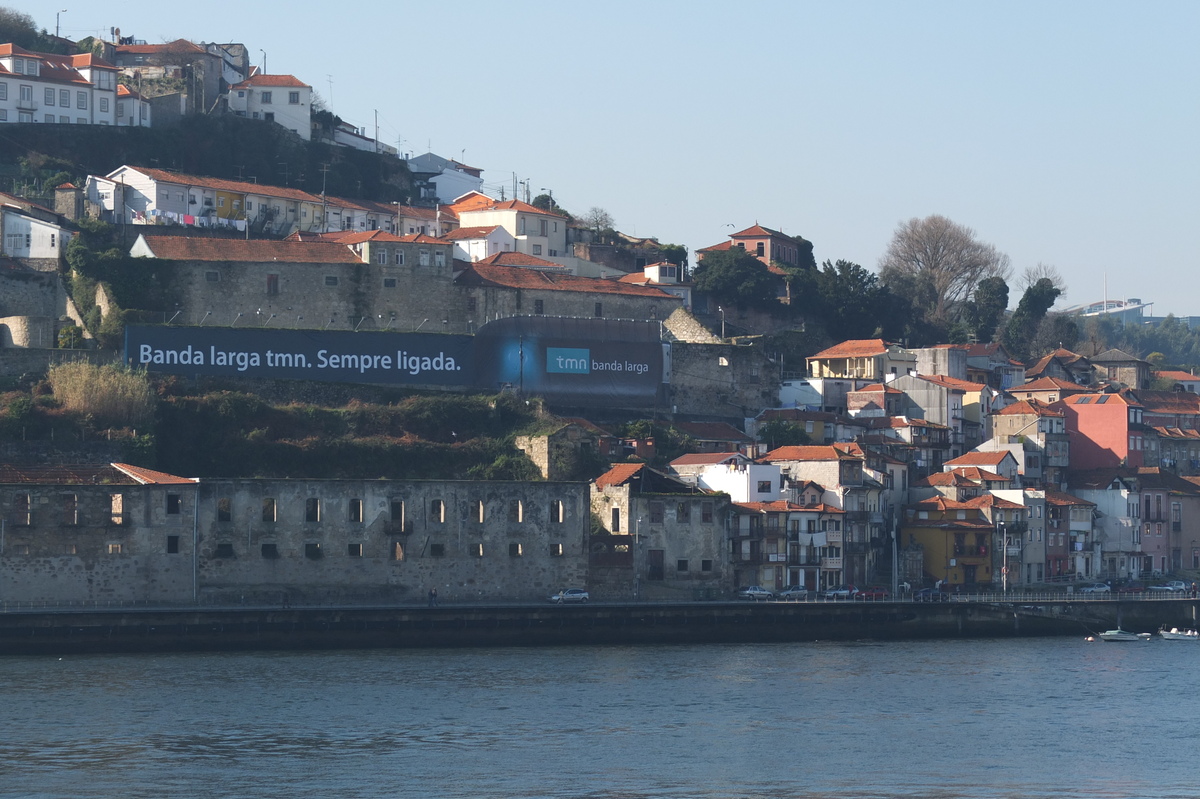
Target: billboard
{"x": 581, "y": 362}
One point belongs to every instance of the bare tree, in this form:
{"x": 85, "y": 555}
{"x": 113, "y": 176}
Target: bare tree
{"x": 1033, "y": 274}
{"x": 598, "y": 219}
{"x": 941, "y": 261}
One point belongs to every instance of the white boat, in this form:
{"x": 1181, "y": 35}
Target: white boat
{"x": 1175, "y": 634}
{"x": 1121, "y": 635}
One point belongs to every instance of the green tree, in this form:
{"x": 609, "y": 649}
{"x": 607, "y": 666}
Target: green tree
{"x": 736, "y": 276}
{"x": 546, "y": 203}
{"x": 782, "y": 433}
{"x": 984, "y": 311}
{"x": 1022, "y": 328}
{"x": 674, "y": 253}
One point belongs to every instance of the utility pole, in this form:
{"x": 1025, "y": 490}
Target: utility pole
{"x": 324, "y": 202}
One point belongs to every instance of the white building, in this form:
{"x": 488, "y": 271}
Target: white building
{"x": 57, "y": 89}
{"x": 281, "y": 99}
{"x": 132, "y": 109}
{"x": 477, "y": 243}
{"x": 25, "y": 236}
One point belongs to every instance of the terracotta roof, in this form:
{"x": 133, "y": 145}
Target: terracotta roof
{"x": 1048, "y": 384}
{"x": 620, "y": 474}
{"x": 953, "y": 382}
{"x": 1028, "y": 407}
{"x": 757, "y": 231}
{"x": 470, "y": 232}
{"x": 905, "y": 421}
{"x": 485, "y": 274}
{"x": 980, "y": 475}
{"x": 511, "y": 258}
{"x": 125, "y": 91}
{"x": 993, "y": 501}
{"x": 942, "y": 503}
{"x": 586, "y": 424}
{"x": 1176, "y": 433}
{"x": 807, "y": 453}
{"x": 725, "y": 245}
{"x": 177, "y": 46}
{"x": 415, "y": 212}
{"x": 994, "y": 458}
{"x": 877, "y": 388}
{"x": 1080, "y": 400}
{"x": 1116, "y": 356}
{"x": 183, "y": 248}
{"x": 271, "y": 80}
{"x": 1059, "y": 498}
{"x": 712, "y": 431}
{"x": 151, "y": 477}
{"x": 780, "y": 505}
{"x": 708, "y": 458}
{"x": 1173, "y": 402}
{"x": 854, "y": 348}
{"x": 220, "y": 184}
{"x": 952, "y": 479}
{"x": 1177, "y": 376}
{"x": 82, "y": 474}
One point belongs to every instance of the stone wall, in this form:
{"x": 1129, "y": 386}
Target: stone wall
{"x": 722, "y": 380}
{"x": 15, "y": 361}
{"x": 28, "y": 293}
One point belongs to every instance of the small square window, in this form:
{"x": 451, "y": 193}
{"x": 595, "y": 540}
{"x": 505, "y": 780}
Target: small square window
{"x": 331, "y": 280}
{"x": 556, "y": 550}
{"x": 354, "y": 550}
{"x": 212, "y": 276}
{"x": 270, "y": 551}
{"x": 224, "y": 551}
{"x": 312, "y": 551}
{"x": 681, "y": 565}
{"x": 172, "y": 545}
{"x": 173, "y": 504}
{"x": 477, "y": 550}
{"x": 114, "y": 549}
{"x": 706, "y": 565}
{"x": 437, "y": 550}
{"x": 389, "y": 282}
{"x": 515, "y": 549}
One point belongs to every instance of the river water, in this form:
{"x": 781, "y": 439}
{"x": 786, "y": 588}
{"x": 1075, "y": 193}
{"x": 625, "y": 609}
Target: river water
{"x": 983, "y": 718}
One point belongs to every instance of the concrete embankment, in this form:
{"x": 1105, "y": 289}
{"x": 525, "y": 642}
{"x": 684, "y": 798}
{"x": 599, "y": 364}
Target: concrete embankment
{"x": 166, "y": 630}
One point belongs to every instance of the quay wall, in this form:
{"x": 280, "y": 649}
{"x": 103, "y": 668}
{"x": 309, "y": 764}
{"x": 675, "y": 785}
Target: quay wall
{"x": 73, "y": 632}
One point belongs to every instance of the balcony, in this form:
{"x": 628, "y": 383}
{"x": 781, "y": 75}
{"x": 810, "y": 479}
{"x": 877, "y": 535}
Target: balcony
{"x": 834, "y": 536}
{"x": 831, "y": 563}
{"x": 26, "y": 105}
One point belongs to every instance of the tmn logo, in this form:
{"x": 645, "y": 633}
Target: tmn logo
{"x": 561, "y": 360}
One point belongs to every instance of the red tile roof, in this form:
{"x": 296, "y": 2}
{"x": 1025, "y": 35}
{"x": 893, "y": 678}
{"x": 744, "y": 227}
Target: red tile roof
{"x": 979, "y": 475}
{"x": 521, "y": 259}
{"x": 954, "y": 383}
{"x": 854, "y": 348}
{"x": 993, "y": 501}
{"x": 712, "y": 431}
{"x": 780, "y": 505}
{"x": 807, "y": 453}
{"x": 1177, "y": 376}
{"x": 183, "y": 248}
{"x": 1048, "y": 384}
{"x": 618, "y": 475}
{"x": 479, "y": 232}
{"x": 980, "y": 458}
{"x": 1059, "y": 498}
{"x": 1173, "y": 402}
{"x": 220, "y": 184}
{"x": 707, "y": 458}
{"x": 272, "y": 80}
{"x": 1080, "y": 400}
{"x": 149, "y": 476}
{"x": 520, "y": 277}
{"x": 178, "y": 46}
{"x": 1028, "y": 407}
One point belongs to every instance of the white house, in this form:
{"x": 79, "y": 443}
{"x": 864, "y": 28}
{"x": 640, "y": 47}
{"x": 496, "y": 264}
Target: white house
{"x": 730, "y": 473}
{"x": 477, "y": 243}
{"x": 132, "y": 109}
{"x": 665, "y": 276}
{"x": 58, "y": 89}
{"x": 537, "y": 232}
{"x": 25, "y": 236}
{"x": 449, "y": 178}
{"x": 282, "y": 99}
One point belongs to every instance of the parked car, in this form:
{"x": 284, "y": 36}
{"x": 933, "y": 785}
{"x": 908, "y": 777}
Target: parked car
{"x": 1095, "y": 588}
{"x": 931, "y": 595}
{"x": 570, "y": 595}
{"x": 1132, "y": 588}
{"x": 793, "y": 593}
{"x": 755, "y": 593}
{"x": 1173, "y": 587}
{"x": 875, "y": 593}
{"x": 840, "y": 592}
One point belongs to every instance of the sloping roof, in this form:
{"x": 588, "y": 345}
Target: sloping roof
{"x": 272, "y": 80}
{"x": 177, "y": 46}
{"x": 484, "y": 274}
{"x": 993, "y": 501}
{"x": 953, "y": 383}
{"x": 1048, "y": 384}
{"x": 1177, "y": 376}
{"x": 478, "y": 232}
{"x": 1116, "y": 356}
{"x": 1059, "y": 498}
{"x": 877, "y": 388}
{"x": 993, "y": 458}
{"x": 184, "y": 248}
{"x": 979, "y": 474}
{"x": 854, "y": 348}
{"x": 712, "y": 431}
{"x": 512, "y": 258}
{"x": 1080, "y": 400}
{"x": 488, "y": 204}
{"x": 781, "y": 505}
{"x": 708, "y": 458}
{"x": 82, "y": 474}
{"x": 151, "y": 477}
{"x": 807, "y": 453}
{"x": 756, "y": 231}
{"x": 221, "y": 184}
{"x": 1028, "y": 407}
{"x": 586, "y": 424}
{"x": 1173, "y": 402}
{"x": 618, "y": 475}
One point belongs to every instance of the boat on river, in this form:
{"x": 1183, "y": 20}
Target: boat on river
{"x": 1175, "y": 634}
{"x": 1122, "y": 635}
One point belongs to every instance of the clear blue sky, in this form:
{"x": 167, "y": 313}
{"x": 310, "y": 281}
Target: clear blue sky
{"x": 1061, "y": 132}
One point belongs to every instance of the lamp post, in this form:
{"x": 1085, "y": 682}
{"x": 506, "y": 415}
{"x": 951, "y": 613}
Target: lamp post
{"x": 721, "y": 310}
{"x": 56, "y": 16}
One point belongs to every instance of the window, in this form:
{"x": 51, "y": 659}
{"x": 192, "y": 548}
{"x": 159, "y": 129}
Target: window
{"x": 312, "y": 551}
{"x": 397, "y": 551}
{"x": 539, "y": 307}
{"x": 515, "y": 549}
{"x": 173, "y": 504}
{"x": 81, "y": 100}
{"x": 270, "y": 551}
{"x": 437, "y": 550}
{"x": 21, "y": 510}
{"x": 423, "y": 257}
{"x": 49, "y": 96}
{"x": 472, "y": 305}
{"x": 706, "y": 512}
{"x": 389, "y": 282}
{"x": 223, "y": 551}
{"x": 439, "y": 258}
{"x": 272, "y": 284}
{"x": 656, "y": 513}
{"x": 437, "y": 511}
{"x": 599, "y": 309}
{"x": 477, "y": 550}
{"x": 264, "y": 98}
{"x": 537, "y": 249}
{"x": 764, "y": 486}
{"x": 70, "y": 509}
{"x": 516, "y": 511}
{"x": 331, "y": 280}
{"x": 558, "y": 511}
{"x": 681, "y": 565}
{"x": 683, "y": 512}
{"x": 381, "y": 257}
{"x": 224, "y": 509}
{"x": 556, "y": 550}
{"x": 706, "y": 565}
{"x": 615, "y": 525}
{"x": 114, "y": 549}
{"x": 312, "y": 509}
{"x": 268, "y": 509}
{"x": 354, "y": 550}
{"x": 477, "y": 511}
{"x": 26, "y": 92}
{"x": 220, "y": 202}
{"x": 4, "y": 92}
{"x": 399, "y": 258}
{"x": 397, "y": 512}
{"x": 293, "y": 98}
{"x": 212, "y": 276}
{"x": 356, "y": 510}
{"x": 172, "y": 545}
{"x": 520, "y": 226}
{"x": 104, "y": 105}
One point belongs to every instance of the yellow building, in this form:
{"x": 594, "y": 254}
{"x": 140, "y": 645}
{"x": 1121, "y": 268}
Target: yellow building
{"x": 956, "y": 538}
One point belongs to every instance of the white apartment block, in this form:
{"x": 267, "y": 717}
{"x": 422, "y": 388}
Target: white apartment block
{"x": 281, "y": 99}
{"x": 56, "y": 89}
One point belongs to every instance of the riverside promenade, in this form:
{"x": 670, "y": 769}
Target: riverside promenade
{"x": 58, "y": 631}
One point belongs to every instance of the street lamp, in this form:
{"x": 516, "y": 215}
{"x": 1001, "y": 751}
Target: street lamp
{"x": 56, "y": 15}
{"x": 721, "y": 309}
